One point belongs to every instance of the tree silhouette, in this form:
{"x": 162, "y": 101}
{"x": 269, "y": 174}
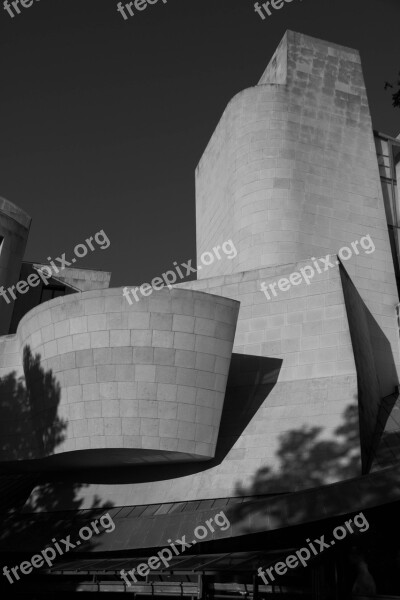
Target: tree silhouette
{"x": 33, "y": 498}
{"x": 305, "y": 461}
{"x": 396, "y": 94}
{"x": 29, "y": 425}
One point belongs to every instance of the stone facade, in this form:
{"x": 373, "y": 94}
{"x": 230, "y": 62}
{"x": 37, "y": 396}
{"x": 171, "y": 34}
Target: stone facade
{"x": 290, "y": 176}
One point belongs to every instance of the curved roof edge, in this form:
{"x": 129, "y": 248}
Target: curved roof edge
{"x": 262, "y": 514}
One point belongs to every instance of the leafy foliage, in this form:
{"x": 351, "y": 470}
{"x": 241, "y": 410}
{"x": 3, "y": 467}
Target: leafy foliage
{"x": 395, "y": 94}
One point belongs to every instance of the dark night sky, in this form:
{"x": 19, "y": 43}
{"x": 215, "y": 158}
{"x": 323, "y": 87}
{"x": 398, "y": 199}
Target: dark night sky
{"x": 103, "y": 121}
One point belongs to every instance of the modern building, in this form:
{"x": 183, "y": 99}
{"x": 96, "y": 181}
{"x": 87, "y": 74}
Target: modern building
{"x": 263, "y": 395}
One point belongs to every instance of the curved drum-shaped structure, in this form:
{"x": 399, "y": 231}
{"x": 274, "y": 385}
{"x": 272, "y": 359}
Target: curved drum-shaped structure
{"x": 120, "y": 383}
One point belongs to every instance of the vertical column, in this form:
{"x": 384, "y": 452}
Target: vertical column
{"x": 14, "y": 231}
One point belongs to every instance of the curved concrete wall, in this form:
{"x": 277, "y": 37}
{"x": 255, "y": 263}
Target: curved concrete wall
{"x": 14, "y": 230}
{"x": 291, "y": 167}
{"x": 145, "y": 381}
{"x": 291, "y": 173}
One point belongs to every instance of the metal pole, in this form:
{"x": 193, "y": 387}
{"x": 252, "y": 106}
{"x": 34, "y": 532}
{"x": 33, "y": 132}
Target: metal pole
{"x": 255, "y": 586}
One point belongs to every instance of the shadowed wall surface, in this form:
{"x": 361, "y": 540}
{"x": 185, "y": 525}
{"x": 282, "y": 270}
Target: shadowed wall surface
{"x": 14, "y": 230}
{"x": 377, "y": 376}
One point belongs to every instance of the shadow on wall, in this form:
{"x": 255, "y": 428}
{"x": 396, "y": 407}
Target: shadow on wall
{"x": 376, "y": 371}
{"x": 388, "y": 451}
{"x": 306, "y": 461}
{"x": 30, "y": 427}
{"x": 250, "y": 381}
